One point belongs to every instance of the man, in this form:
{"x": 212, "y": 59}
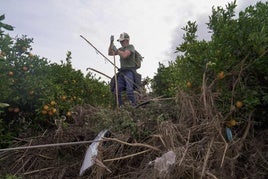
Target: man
{"x": 125, "y": 77}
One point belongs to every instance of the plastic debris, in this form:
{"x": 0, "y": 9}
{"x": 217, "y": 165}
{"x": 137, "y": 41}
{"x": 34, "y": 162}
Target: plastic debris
{"x": 163, "y": 163}
{"x": 229, "y": 134}
{"x": 91, "y": 154}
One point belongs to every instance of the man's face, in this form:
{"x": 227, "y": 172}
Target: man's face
{"x": 124, "y": 43}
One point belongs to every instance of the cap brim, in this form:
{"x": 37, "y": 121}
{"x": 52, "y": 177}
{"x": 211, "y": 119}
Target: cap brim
{"x": 119, "y": 40}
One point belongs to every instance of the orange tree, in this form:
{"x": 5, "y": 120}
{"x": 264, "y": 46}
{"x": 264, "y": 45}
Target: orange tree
{"x": 23, "y": 82}
{"x": 72, "y": 88}
{"x": 98, "y": 92}
{"x": 234, "y": 60}
{"x": 39, "y": 91}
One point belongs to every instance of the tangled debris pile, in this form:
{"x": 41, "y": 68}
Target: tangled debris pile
{"x": 181, "y": 138}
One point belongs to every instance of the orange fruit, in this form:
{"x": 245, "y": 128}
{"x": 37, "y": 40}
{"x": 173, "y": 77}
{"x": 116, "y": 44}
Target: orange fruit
{"x": 63, "y": 98}
{"x": 53, "y": 103}
{"x": 44, "y": 112}
{"x": 238, "y": 104}
{"x": 25, "y": 68}
{"x": 10, "y": 73}
{"x": 189, "y": 84}
{"x": 24, "y": 49}
{"x": 45, "y": 107}
{"x": 16, "y": 110}
{"x": 68, "y": 114}
{"x": 31, "y": 55}
{"x": 231, "y": 123}
{"x": 50, "y": 113}
{"x": 53, "y": 110}
{"x": 221, "y": 75}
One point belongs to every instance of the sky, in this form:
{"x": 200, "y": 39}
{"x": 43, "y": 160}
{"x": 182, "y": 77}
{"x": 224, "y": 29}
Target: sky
{"x": 154, "y": 27}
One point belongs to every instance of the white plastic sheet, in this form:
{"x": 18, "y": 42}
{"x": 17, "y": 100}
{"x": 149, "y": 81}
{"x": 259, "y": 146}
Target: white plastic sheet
{"x": 163, "y": 163}
{"x": 91, "y": 153}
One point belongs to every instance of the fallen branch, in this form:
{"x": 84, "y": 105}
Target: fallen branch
{"x": 47, "y": 145}
{"x": 238, "y": 78}
{"x": 224, "y": 153}
{"x": 100, "y": 164}
{"x": 186, "y": 149}
{"x": 130, "y": 144}
{"x": 22, "y": 157}
{"x": 39, "y": 170}
{"x": 225, "y": 148}
{"x": 262, "y": 157}
{"x": 211, "y": 175}
{"x": 127, "y": 156}
{"x": 45, "y": 157}
{"x": 24, "y": 164}
{"x": 248, "y": 127}
{"x": 207, "y": 156}
{"x": 21, "y": 140}
{"x": 33, "y": 163}
{"x": 161, "y": 139}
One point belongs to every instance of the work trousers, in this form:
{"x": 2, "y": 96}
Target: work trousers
{"x": 126, "y": 82}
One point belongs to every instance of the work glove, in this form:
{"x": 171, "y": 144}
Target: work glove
{"x": 112, "y": 39}
{"x": 114, "y": 48}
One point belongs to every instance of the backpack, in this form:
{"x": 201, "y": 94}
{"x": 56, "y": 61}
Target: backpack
{"x": 138, "y": 59}
{"x": 137, "y": 81}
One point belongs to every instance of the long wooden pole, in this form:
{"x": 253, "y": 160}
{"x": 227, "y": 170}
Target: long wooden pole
{"x": 116, "y": 85}
{"x": 48, "y": 145}
{"x": 99, "y": 72}
{"x": 99, "y": 52}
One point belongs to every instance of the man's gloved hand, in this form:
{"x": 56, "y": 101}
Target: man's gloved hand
{"x": 112, "y": 39}
{"x": 114, "y": 48}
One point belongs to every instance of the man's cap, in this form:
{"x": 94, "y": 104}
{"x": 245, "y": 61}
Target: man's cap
{"x": 123, "y": 36}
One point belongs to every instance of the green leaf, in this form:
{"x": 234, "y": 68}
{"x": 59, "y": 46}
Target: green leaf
{"x": 7, "y": 27}
{"x": 2, "y": 17}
